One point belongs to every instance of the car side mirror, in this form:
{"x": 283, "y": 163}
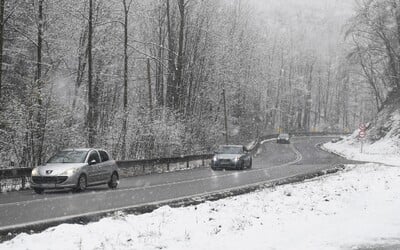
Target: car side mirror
{"x": 92, "y": 162}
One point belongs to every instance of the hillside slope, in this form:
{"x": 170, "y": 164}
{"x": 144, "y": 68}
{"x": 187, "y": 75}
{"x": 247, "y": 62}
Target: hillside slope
{"x": 382, "y": 143}
{"x": 386, "y": 125}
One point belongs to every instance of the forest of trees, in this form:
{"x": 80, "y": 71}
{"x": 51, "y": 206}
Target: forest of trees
{"x": 146, "y": 78}
{"x": 375, "y": 35}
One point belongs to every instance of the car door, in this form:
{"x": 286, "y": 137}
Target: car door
{"x": 105, "y": 167}
{"x": 93, "y": 170}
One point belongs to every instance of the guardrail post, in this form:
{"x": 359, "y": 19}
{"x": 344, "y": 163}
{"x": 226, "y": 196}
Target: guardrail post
{"x": 187, "y": 164}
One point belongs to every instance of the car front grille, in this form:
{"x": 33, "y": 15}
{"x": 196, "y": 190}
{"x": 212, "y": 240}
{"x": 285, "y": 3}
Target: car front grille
{"x": 49, "y": 179}
{"x": 225, "y": 161}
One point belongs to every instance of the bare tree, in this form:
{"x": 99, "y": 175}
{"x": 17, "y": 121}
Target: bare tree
{"x": 2, "y": 3}
{"x": 90, "y": 112}
{"x": 125, "y": 95}
{"x": 172, "y": 90}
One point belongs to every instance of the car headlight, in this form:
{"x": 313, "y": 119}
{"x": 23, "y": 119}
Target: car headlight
{"x": 215, "y": 158}
{"x": 237, "y": 158}
{"x": 35, "y": 172}
{"x": 70, "y": 172}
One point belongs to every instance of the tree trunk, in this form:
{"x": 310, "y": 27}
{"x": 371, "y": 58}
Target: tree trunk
{"x": 125, "y": 115}
{"x": 2, "y": 2}
{"x": 179, "y": 72}
{"x": 225, "y": 117}
{"x": 327, "y": 94}
{"x": 171, "y": 87}
{"x": 82, "y": 61}
{"x": 39, "y": 84}
{"x": 149, "y": 86}
{"x": 307, "y": 107}
{"x": 90, "y": 120}
{"x": 159, "y": 66}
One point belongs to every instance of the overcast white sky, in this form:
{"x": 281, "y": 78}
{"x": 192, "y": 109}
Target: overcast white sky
{"x": 339, "y": 7}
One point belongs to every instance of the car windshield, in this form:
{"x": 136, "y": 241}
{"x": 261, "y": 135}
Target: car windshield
{"x": 70, "y": 156}
{"x": 229, "y": 150}
{"x": 285, "y": 136}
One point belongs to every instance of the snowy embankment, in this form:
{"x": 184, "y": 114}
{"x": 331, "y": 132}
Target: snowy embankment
{"x": 382, "y": 142}
{"x": 385, "y": 150}
{"x": 355, "y": 207}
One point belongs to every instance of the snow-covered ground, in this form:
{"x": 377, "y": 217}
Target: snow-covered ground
{"x": 8, "y": 185}
{"x": 358, "y": 206}
{"x": 386, "y": 150}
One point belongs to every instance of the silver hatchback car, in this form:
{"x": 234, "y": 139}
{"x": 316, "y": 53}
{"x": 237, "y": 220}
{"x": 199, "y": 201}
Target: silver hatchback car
{"x": 76, "y": 169}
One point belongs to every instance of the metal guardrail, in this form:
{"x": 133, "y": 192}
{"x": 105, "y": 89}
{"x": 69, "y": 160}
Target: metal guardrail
{"x": 160, "y": 165}
{"x": 14, "y": 177}
{"x": 15, "y": 173}
{"x": 157, "y": 165}
{"x": 171, "y": 160}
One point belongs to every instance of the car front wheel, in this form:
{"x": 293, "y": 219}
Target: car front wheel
{"x": 241, "y": 165}
{"x": 82, "y": 183}
{"x": 113, "y": 183}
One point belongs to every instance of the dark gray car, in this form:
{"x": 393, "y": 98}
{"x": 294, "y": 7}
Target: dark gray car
{"x": 76, "y": 169}
{"x": 231, "y": 157}
{"x": 283, "y": 138}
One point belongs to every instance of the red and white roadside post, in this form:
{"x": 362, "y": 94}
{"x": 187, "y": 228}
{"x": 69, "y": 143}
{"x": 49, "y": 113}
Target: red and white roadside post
{"x": 361, "y": 134}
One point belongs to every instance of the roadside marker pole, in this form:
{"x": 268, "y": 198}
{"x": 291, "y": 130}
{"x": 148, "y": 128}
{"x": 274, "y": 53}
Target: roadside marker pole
{"x": 361, "y": 134}
{"x": 362, "y": 142}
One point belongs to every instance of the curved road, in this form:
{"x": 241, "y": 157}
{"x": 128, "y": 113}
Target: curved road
{"x": 273, "y": 162}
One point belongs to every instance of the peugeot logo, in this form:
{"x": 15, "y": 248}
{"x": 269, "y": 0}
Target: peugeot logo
{"x": 49, "y": 171}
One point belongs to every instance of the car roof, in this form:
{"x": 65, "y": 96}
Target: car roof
{"x": 79, "y": 149}
{"x": 85, "y": 149}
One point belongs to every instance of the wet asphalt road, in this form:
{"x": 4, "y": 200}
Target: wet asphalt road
{"x": 273, "y": 162}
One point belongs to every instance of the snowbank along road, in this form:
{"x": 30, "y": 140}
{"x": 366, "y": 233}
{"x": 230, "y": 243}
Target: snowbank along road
{"x": 273, "y": 162}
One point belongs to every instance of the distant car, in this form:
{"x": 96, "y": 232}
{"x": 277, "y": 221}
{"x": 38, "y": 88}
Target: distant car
{"x": 76, "y": 169}
{"x": 283, "y": 138}
{"x": 231, "y": 157}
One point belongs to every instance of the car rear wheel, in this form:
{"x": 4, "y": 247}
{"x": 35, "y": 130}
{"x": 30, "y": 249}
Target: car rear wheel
{"x": 82, "y": 183}
{"x": 113, "y": 183}
{"x": 38, "y": 190}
